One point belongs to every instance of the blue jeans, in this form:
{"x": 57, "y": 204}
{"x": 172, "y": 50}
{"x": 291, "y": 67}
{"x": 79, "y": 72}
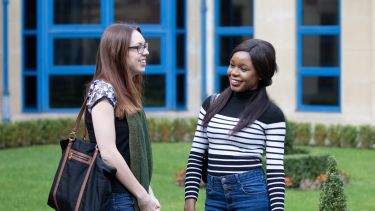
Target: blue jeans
{"x": 122, "y": 202}
{"x": 239, "y": 192}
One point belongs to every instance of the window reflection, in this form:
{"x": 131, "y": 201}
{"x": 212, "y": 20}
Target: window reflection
{"x": 154, "y": 48}
{"x": 30, "y": 14}
{"x": 227, "y": 44}
{"x": 236, "y": 12}
{"x": 76, "y": 12}
{"x": 154, "y": 93}
{"x": 317, "y": 90}
{"x": 181, "y": 89}
{"x": 137, "y": 11}
{"x": 180, "y": 12}
{"x": 320, "y": 50}
{"x": 77, "y": 51}
{"x": 30, "y": 52}
{"x": 68, "y": 91}
{"x": 30, "y": 92}
{"x": 320, "y": 12}
{"x": 180, "y": 51}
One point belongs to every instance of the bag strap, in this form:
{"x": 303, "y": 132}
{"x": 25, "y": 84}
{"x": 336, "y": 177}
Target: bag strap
{"x": 84, "y": 183}
{"x": 93, "y": 158}
{"x": 213, "y": 98}
{"x": 78, "y": 120}
{"x": 60, "y": 173}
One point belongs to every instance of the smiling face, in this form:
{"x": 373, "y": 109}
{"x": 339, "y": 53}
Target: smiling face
{"x": 137, "y": 61}
{"x": 241, "y": 73}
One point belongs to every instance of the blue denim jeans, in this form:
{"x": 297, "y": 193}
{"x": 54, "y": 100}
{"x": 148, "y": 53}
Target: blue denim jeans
{"x": 122, "y": 202}
{"x": 239, "y": 192}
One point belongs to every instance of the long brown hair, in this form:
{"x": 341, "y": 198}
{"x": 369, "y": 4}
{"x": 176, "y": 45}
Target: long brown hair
{"x": 111, "y": 66}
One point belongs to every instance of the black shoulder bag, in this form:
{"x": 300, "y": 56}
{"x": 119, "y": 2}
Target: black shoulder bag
{"x": 82, "y": 181}
{"x": 205, "y": 155}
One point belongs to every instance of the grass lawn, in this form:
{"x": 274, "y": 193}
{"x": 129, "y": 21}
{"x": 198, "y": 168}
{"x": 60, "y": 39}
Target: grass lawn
{"x": 26, "y": 176}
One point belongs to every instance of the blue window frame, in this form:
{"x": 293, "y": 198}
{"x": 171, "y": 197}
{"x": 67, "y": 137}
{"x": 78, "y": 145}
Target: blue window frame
{"x": 318, "y": 55}
{"x": 234, "y": 22}
{"x": 60, "y": 50}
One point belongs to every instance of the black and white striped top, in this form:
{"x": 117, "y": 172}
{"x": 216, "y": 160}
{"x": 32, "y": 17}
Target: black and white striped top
{"x": 241, "y": 151}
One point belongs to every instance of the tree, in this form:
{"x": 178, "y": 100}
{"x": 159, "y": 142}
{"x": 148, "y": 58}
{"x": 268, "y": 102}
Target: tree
{"x": 332, "y": 196}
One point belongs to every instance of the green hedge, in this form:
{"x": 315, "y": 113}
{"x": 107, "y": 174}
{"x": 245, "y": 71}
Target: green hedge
{"x": 304, "y": 134}
{"x": 34, "y": 132}
{"x": 50, "y": 131}
{"x": 304, "y": 166}
{"x": 166, "y": 130}
{"x": 366, "y": 136}
{"x": 320, "y": 134}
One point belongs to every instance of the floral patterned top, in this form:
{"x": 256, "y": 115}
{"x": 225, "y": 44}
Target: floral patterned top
{"x": 100, "y": 90}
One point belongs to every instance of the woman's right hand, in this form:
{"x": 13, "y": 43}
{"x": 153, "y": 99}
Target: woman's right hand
{"x": 146, "y": 203}
{"x": 189, "y": 205}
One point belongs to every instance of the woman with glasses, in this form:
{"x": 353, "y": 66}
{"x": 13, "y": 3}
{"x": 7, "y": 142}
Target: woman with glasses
{"x": 235, "y": 128}
{"x": 115, "y": 118}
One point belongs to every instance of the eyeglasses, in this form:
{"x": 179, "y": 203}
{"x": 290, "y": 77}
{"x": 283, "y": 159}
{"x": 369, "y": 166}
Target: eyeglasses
{"x": 140, "y": 48}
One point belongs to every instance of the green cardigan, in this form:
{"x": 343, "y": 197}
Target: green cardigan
{"x": 140, "y": 149}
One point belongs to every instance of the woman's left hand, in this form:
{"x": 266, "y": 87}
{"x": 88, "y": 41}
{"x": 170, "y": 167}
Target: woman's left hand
{"x": 154, "y": 198}
{"x": 157, "y": 202}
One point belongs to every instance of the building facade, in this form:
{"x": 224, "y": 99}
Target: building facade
{"x": 325, "y": 54}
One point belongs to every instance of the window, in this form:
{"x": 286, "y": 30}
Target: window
{"x": 318, "y": 55}
{"x": 76, "y": 12}
{"x": 140, "y": 11}
{"x": 30, "y": 67}
{"x": 233, "y": 24}
{"x": 61, "y": 38}
{"x": 75, "y": 51}
{"x": 181, "y": 54}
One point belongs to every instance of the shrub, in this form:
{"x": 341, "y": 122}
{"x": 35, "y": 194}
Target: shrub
{"x": 153, "y": 129}
{"x": 9, "y": 135}
{"x": 52, "y": 131}
{"x": 2, "y": 143}
{"x": 320, "y": 134}
{"x": 334, "y": 135}
{"x": 165, "y": 127}
{"x": 181, "y": 130}
{"x": 372, "y": 143}
{"x": 348, "y": 136}
{"x": 303, "y": 133}
{"x": 43, "y": 131}
{"x": 332, "y": 196}
{"x": 192, "y": 127}
{"x": 167, "y": 130}
{"x": 303, "y": 166}
{"x": 26, "y": 132}
{"x": 289, "y": 138}
{"x": 366, "y": 136}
